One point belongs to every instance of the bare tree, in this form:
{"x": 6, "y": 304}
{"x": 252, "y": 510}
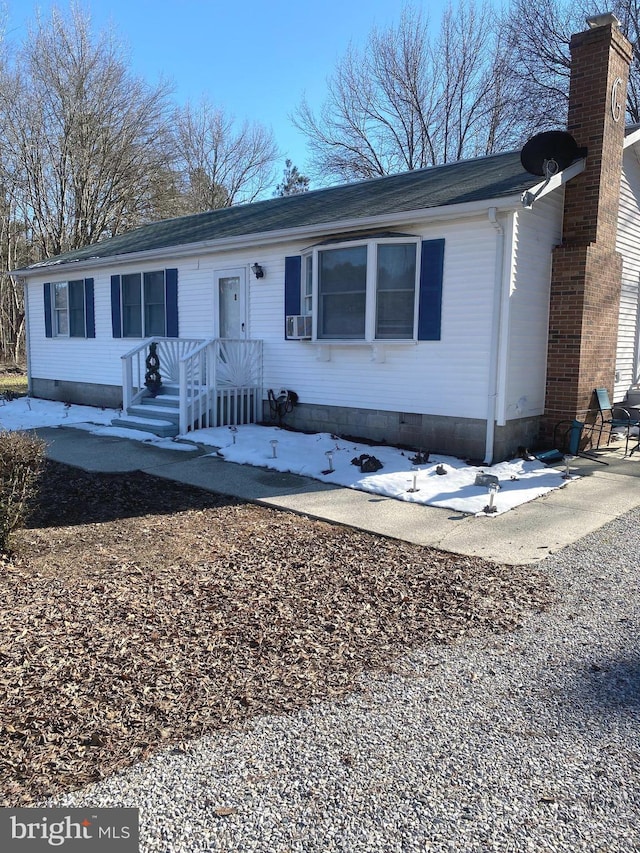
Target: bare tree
{"x": 411, "y": 99}
{"x": 539, "y": 35}
{"x": 13, "y": 249}
{"x": 222, "y": 163}
{"x": 85, "y": 140}
{"x": 13, "y": 253}
{"x": 629, "y": 15}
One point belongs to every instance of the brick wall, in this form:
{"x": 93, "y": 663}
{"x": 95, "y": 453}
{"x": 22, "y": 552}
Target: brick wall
{"x": 586, "y": 270}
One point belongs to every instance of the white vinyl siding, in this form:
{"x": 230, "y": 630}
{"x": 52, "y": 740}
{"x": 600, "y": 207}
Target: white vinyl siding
{"x": 536, "y": 232}
{"x": 628, "y": 244}
{"x": 445, "y": 377}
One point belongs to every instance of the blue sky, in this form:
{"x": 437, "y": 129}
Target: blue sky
{"x": 254, "y": 59}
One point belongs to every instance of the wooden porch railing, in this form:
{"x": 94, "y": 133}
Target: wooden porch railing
{"x": 170, "y": 351}
{"x": 219, "y": 381}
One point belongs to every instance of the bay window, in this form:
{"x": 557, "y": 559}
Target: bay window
{"x": 342, "y": 292}
{"x": 307, "y": 295}
{"x": 395, "y": 290}
{"x": 367, "y": 290}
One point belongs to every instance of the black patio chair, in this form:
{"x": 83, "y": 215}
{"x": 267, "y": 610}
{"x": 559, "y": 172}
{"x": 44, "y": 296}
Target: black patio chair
{"x": 614, "y": 417}
{"x": 568, "y": 438}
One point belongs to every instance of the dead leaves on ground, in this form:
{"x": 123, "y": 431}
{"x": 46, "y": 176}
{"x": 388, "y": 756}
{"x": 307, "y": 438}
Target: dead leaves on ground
{"x": 140, "y": 613}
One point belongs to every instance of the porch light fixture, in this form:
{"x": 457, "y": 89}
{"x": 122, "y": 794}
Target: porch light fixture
{"x": 257, "y": 270}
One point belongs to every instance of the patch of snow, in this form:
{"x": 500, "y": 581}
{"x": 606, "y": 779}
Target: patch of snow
{"x": 520, "y": 481}
{"x": 297, "y": 453}
{"x": 26, "y": 413}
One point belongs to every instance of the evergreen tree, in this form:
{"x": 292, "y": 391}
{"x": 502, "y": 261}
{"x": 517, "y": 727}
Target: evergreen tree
{"x": 293, "y": 183}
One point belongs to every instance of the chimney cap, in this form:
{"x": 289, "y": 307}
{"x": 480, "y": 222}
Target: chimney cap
{"x": 603, "y": 20}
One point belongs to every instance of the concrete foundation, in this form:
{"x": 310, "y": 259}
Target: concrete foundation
{"x": 80, "y": 393}
{"x": 461, "y": 437}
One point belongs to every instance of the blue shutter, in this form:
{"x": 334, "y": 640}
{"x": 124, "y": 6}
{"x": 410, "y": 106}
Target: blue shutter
{"x": 89, "y": 309}
{"x": 292, "y": 287}
{"x": 116, "y": 309}
{"x": 171, "y": 291}
{"x": 48, "y": 325}
{"x": 430, "y": 307}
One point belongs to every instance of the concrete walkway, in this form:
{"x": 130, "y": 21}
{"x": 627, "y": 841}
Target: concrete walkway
{"x": 526, "y": 534}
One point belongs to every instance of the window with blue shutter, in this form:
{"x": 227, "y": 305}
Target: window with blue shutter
{"x": 292, "y": 285}
{"x": 368, "y": 288}
{"x": 89, "y": 308}
{"x": 116, "y": 307}
{"x": 77, "y": 319}
{"x": 145, "y": 305}
{"x": 431, "y": 277}
{"x": 69, "y": 309}
{"x": 48, "y": 324}
{"x": 171, "y": 277}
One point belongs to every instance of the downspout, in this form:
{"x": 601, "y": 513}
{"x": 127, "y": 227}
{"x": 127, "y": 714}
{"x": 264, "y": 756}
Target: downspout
{"x": 27, "y": 333}
{"x": 494, "y": 352}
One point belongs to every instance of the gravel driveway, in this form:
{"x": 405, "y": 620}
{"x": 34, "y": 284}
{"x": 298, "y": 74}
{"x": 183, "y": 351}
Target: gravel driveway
{"x": 528, "y": 741}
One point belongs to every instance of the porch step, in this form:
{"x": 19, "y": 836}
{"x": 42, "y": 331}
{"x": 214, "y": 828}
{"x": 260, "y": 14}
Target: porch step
{"x": 171, "y": 401}
{"x": 167, "y": 389}
{"x": 161, "y": 428}
{"x": 155, "y": 411}
{"x": 159, "y": 415}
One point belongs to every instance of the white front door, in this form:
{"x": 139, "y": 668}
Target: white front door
{"x": 231, "y": 297}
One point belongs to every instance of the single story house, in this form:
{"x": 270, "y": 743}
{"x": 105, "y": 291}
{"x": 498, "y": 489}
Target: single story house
{"x": 458, "y": 308}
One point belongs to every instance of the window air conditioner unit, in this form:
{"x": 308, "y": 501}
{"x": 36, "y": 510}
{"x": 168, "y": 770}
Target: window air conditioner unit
{"x": 299, "y": 326}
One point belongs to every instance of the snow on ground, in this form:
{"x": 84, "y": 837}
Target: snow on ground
{"x": 29, "y": 413}
{"x": 520, "y": 481}
{"x": 454, "y": 487}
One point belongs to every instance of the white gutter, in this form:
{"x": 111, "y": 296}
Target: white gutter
{"x": 497, "y": 322}
{"x": 285, "y": 235}
{"x": 27, "y": 334}
{"x": 508, "y": 265}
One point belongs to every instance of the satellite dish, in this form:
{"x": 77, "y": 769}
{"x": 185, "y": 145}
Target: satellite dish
{"x": 550, "y": 152}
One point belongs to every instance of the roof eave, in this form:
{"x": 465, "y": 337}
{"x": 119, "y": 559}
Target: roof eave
{"x": 444, "y": 212}
{"x": 553, "y": 183}
{"x": 632, "y": 138}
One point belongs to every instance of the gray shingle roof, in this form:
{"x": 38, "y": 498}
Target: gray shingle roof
{"x": 480, "y": 179}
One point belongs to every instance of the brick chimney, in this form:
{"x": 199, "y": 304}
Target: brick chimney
{"x": 586, "y": 269}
